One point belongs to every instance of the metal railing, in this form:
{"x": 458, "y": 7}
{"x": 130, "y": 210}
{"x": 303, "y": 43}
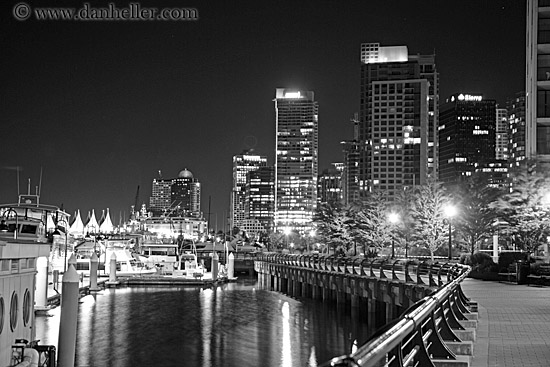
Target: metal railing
{"x": 421, "y": 333}
{"x": 410, "y": 271}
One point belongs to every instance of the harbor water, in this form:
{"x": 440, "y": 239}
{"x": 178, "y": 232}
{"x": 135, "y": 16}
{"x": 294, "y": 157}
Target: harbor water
{"x": 230, "y": 325}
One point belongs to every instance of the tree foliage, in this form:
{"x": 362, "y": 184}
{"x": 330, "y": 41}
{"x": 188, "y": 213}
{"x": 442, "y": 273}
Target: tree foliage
{"x": 526, "y": 208}
{"x": 430, "y": 229}
{"x": 476, "y": 222}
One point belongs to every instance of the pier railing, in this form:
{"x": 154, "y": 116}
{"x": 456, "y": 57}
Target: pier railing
{"x": 433, "y": 274}
{"x": 433, "y": 329}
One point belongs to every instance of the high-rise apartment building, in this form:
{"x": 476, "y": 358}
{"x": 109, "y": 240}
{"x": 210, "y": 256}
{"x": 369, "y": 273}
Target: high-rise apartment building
{"x": 179, "y": 196}
{"x": 260, "y": 197}
{"x": 243, "y": 163}
{"x": 466, "y": 136}
{"x": 186, "y": 195}
{"x": 296, "y": 162}
{"x": 537, "y": 87}
{"x": 329, "y": 189}
{"x": 516, "y": 130}
{"x": 350, "y": 174}
{"x": 501, "y": 134}
{"x": 161, "y": 196}
{"x": 398, "y": 119}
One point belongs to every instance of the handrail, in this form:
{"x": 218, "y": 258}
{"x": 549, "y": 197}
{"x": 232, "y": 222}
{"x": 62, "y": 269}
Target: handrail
{"x": 403, "y": 339}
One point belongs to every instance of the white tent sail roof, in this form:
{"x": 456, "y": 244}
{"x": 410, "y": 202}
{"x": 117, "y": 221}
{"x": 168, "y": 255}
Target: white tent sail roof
{"x": 106, "y": 225}
{"x": 77, "y": 227}
{"x": 91, "y": 223}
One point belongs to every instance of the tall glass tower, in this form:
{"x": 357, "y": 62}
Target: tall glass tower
{"x": 296, "y": 162}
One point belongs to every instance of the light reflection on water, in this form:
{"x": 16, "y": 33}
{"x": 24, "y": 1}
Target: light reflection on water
{"x": 235, "y": 324}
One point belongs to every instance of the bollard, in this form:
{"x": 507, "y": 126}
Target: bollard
{"x": 112, "y": 269}
{"x": 66, "y": 345}
{"x": 231, "y": 267}
{"x": 94, "y": 262}
{"x": 215, "y": 266}
{"x": 71, "y": 261}
{"x": 41, "y": 292}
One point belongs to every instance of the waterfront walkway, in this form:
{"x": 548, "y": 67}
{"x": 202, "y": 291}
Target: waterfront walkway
{"x": 513, "y": 325}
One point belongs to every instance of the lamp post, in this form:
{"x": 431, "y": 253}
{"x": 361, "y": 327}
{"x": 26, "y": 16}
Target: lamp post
{"x": 393, "y": 218}
{"x": 312, "y": 234}
{"x": 286, "y": 232}
{"x": 57, "y": 233}
{"x": 450, "y": 212}
{"x": 4, "y": 227}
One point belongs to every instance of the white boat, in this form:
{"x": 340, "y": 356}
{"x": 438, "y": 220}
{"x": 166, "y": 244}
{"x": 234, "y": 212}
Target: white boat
{"x": 128, "y": 263}
{"x": 160, "y": 255}
{"x": 23, "y": 244}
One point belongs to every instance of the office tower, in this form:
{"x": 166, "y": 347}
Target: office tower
{"x": 260, "y": 197}
{"x": 397, "y": 119}
{"x": 537, "y": 86}
{"x": 501, "y": 134}
{"x": 516, "y": 131}
{"x": 296, "y": 162}
{"x": 185, "y": 195}
{"x": 243, "y": 163}
{"x": 161, "y": 196}
{"x": 466, "y": 136}
{"x": 350, "y": 174}
{"x": 329, "y": 188}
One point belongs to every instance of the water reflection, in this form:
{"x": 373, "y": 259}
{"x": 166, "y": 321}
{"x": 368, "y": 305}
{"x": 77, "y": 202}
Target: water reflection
{"x": 234, "y": 324}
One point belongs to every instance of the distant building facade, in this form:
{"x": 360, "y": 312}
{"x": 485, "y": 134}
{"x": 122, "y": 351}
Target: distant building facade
{"x": 296, "y": 162}
{"x": 398, "y": 119}
{"x": 260, "y": 198}
{"x": 330, "y": 184}
{"x": 352, "y": 157}
{"x": 243, "y": 163}
{"x": 537, "y": 86}
{"x": 516, "y": 131}
{"x": 467, "y": 136}
{"x": 501, "y": 134}
{"x": 176, "y": 197}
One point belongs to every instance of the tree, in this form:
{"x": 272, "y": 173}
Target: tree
{"x": 428, "y": 216}
{"x": 526, "y": 209}
{"x": 333, "y": 225}
{"x": 476, "y": 222}
{"x": 371, "y": 221}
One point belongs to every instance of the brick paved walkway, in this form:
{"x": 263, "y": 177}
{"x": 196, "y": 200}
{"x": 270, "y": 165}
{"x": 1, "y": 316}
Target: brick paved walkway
{"x": 513, "y": 326}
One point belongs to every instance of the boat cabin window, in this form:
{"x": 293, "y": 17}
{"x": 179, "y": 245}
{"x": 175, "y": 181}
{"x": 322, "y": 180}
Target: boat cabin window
{"x": 28, "y": 228}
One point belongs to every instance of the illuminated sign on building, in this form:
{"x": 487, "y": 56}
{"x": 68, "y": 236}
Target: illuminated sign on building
{"x": 467, "y": 98}
{"x": 293, "y": 95}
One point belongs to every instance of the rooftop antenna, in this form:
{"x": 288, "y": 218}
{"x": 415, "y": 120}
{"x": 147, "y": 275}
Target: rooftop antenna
{"x": 18, "y": 193}
{"x": 29, "y": 187}
{"x": 39, "y": 184}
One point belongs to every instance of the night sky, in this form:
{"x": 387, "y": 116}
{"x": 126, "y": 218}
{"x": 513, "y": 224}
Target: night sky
{"x": 102, "y": 106}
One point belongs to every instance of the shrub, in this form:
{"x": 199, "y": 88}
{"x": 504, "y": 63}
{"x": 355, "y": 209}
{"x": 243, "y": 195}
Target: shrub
{"x": 465, "y": 259}
{"x": 483, "y": 263}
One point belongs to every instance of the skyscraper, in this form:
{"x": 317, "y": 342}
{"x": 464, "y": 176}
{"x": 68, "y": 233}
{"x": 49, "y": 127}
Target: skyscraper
{"x": 260, "y": 197}
{"x": 466, "y": 136}
{"x": 329, "y": 188}
{"x": 501, "y": 134}
{"x": 186, "y": 195}
{"x": 243, "y": 163}
{"x": 516, "y": 131}
{"x": 397, "y": 135}
{"x": 537, "y": 87}
{"x": 161, "y": 196}
{"x": 296, "y": 162}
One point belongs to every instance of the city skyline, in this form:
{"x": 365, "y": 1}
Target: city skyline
{"x": 103, "y": 106}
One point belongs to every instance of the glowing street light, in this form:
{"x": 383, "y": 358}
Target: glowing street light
{"x": 286, "y": 231}
{"x": 450, "y": 211}
{"x": 393, "y": 218}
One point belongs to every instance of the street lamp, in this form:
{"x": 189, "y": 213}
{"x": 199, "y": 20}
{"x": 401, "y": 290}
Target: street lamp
{"x": 286, "y": 232}
{"x": 450, "y": 212}
{"x": 393, "y": 218}
{"x": 57, "y": 233}
{"x": 4, "y": 227}
{"x": 312, "y": 234}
